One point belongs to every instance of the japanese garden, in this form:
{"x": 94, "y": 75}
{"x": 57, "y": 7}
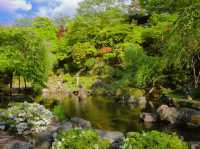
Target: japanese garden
{"x": 116, "y": 74}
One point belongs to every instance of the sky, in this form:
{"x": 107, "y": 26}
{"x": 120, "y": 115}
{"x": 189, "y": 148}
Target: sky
{"x": 10, "y": 10}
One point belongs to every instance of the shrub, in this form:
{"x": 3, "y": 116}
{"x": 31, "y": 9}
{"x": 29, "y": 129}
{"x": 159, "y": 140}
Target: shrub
{"x": 27, "y": 118}
{"x": 90, "y": 63}
{"x": 82, "y": 51}
{"x": 153, "y": 140}
{"x": 59, "y": 111}
{"x": 79, "y": 139}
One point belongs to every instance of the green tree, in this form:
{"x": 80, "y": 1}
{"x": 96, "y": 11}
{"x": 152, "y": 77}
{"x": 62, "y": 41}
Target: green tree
{"x": 182, "y": 48}
{"x": 23, "y": 53}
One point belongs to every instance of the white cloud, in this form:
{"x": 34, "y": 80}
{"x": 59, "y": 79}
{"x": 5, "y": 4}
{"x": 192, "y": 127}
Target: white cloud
{"x": 58, "y": 7}
{"x": 14, "y": 5}
{"x": 43, "y": 12}
{"x": 67, "y": 7}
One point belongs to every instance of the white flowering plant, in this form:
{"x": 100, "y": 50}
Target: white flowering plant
{"x": 27, "y": 118}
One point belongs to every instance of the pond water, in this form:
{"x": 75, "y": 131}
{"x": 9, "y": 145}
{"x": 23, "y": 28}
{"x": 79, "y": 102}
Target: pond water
{"x": 107, "y": 115}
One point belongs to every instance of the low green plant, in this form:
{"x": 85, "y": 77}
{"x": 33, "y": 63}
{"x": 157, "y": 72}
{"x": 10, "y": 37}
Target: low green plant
{"x": 79, "y": 139}
{"x": 59, "y": 112}
{"x": 153, "y": 140}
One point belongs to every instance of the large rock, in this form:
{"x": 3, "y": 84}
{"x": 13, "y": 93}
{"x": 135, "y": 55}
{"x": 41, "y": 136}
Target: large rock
{"x": 182, "y": 115}
{"x": 194, "y": 145}
{"x": 46, "y": 137}
{"x": 81, "y": 122}
{"x": 169, "y": 114}
{"x": 148, "y": 117}
{"x": 111, "y": 136}
{"x": 65, "y": 126}
{"x": 189, "y": 116}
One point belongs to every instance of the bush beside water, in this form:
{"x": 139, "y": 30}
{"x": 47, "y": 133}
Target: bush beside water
{"x": 79, "y": 139}
{"x": 153, "y": 140}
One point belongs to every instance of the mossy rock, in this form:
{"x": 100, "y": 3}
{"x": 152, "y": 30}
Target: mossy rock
{"x": 136, "y": 92}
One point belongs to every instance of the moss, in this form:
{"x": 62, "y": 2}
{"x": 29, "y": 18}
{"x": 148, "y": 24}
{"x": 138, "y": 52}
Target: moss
{"x": 136, "y": 92}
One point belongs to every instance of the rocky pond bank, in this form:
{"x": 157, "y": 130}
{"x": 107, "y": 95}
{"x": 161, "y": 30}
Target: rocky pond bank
{"x": 38, "y": 129}
{"x": 45, "y": 139}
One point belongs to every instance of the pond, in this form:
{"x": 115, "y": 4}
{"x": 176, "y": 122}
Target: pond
{"x": 105, "y": 114}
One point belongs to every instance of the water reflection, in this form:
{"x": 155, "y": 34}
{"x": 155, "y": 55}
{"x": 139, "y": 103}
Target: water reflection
{"x": 103, "y": 113}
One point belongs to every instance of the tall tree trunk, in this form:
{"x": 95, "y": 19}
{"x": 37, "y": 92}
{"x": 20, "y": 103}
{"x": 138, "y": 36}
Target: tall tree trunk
{"x": 196, "y": 73}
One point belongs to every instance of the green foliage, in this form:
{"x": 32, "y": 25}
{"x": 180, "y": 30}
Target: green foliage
{"x": 59, "y": 111}
{"x": 79, "y": 139}
{"x": 47, "y": 30}
{"x": 182, "y": 48}
{"x": 145, "y": 68}
{"x": 82, "y": 51}
{"x": 136, "y": 92}
{"x": 153, "y": 140}
{"x": 85, "y": 80}
{"x": 89, "y": 63}
{"x": 23, "y": 52}
{"x": 164, "y": 49}
{"x": 165, "y": 5}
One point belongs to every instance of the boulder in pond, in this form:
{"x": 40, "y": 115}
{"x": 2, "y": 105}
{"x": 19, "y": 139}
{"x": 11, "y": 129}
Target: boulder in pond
{"x": 194, "y": 145}
{"x": 81, "y": 122}
{"x": 189, "y": 116}
{"x": 169, "y": 114}
{"x": 173, "y": 115}
{"x": 148, "y": 117}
